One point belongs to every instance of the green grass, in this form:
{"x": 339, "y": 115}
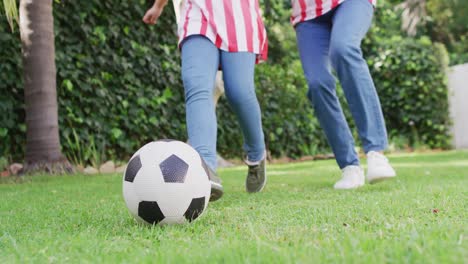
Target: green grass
{"x": 299, "y": 218}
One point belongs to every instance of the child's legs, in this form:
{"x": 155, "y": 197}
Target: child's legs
{"x": 200, "y": 60}
{"x": 313, "y": 40}
{"x": 238, "y": 73}
{"x": 351, "y": 22}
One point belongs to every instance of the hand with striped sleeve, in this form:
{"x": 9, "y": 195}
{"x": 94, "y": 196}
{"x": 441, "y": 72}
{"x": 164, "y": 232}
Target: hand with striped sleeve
{"x": 153, "y": 14}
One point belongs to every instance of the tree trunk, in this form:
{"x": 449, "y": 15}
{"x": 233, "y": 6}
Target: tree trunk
{"x": 43, "y": 151}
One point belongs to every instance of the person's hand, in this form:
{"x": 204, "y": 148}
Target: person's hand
{"x": 152, "y": 15}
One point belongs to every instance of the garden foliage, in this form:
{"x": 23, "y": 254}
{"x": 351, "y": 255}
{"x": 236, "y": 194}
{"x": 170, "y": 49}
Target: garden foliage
{"x": 119, "y": 85}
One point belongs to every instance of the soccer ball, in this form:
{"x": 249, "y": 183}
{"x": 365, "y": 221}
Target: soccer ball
{"x": 166, "y": 182}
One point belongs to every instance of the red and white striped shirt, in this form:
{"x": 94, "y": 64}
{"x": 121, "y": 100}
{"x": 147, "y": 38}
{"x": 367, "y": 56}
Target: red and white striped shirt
{"x": 303, "y": 10}
{"x": 233, "y": 26}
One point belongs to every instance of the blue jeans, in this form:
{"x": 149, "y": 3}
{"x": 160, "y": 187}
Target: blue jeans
{"x": 334, "y": 39}
{"x": 200, "y": 62}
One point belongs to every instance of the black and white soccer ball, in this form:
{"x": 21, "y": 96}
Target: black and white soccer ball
{"x": 166, "y": 182}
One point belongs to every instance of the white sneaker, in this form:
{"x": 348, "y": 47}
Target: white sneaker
{"x": 378, "y": 167}
{"x": 352, "y": 177}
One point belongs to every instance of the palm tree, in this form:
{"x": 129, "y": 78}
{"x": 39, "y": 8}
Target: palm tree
{"x": 414, "y": 13}
{"x": 43, "y": 151}
{"x": 11, "y": 12}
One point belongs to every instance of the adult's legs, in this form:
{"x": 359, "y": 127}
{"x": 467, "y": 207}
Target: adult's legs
{"x": 351, "y": 21}
{"x": 313, "y": 38}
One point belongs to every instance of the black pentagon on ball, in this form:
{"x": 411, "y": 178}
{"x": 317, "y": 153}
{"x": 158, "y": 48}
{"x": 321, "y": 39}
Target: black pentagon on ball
{"x": 195, "y": 209}
{"x": 174, "y": 169}
{"x": 132, "y": 168}
{"x": 150, "y": 212}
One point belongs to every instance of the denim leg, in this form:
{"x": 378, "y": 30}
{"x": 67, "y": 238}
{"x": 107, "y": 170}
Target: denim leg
{"x": 313, "y": 38}
{"x": 238, "y": 74}
{"x": 351, "y": 21}
{"x": 200, "y": 60}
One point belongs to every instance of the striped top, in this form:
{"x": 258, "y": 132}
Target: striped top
{"x": 233, "y": 26}
{"x": 303, "y": 10}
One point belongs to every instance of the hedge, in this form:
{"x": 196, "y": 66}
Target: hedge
{"x": 117, "y": 79}
{"x": 119, "y": 86}
{"x": 411, "y": 79}
{"x": 12, "y": 126}
{"x": 289, "y": 125}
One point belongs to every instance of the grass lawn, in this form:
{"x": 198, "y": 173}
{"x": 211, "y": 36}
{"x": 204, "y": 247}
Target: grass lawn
{"x": 420, "y": 217}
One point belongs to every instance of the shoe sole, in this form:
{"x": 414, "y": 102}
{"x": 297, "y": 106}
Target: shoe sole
{"x": 380, "y": 179}
{"x": 353, "y": 188}
{"x": 216, "y": 191}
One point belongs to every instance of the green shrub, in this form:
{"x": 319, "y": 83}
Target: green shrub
{"x": 118, "y": 79}
{"x": 289, "y": 125}
{"x": 410, "y": 76}
{"x": 119, "y": 86}
{"x": 12, "y": 127}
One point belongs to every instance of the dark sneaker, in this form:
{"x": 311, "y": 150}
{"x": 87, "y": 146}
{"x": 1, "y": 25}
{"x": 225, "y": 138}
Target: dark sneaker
{"x": 256, "y": 177}
{"x": 217, "y": 190}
